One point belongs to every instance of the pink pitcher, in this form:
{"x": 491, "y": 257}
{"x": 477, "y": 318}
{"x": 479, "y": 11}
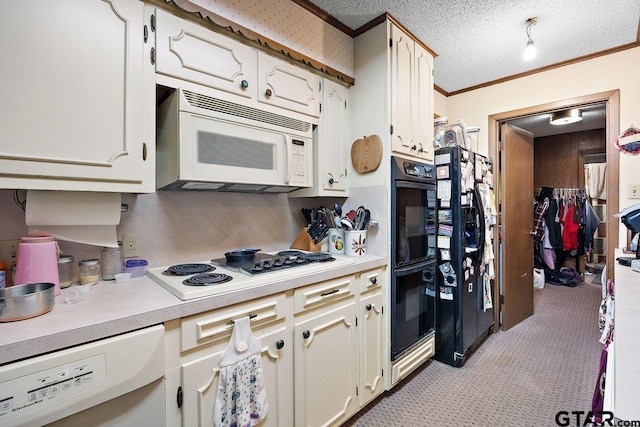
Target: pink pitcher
{"x": 37, "y": 261}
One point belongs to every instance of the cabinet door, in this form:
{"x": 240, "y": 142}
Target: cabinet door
{"x": 402, "y": 94}
{"x": 424, "y": 103}
{"x": 195, "y": 53}
{"x": 200, "y": 383}
{"x": 73, "y": 91}
{"x": 288, "y": 86}
{"x": 333, "y": 169}
{"x": 371, "y": 347}
{"x": 326, "y": 368}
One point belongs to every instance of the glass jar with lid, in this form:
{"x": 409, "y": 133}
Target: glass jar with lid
{"x": 111, "y": 262}
{"x": 89, "y": 271}
{"x": 65, "y": 270}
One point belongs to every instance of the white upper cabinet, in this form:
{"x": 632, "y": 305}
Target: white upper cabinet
{"x": 411, "y": 96}
{"x": 288, "y": 86}
{"x": 194, "y": 53}
{"x": 423, "y": 86}
{"x": 392, "y": 96}
{"x": 330, "y": 145}
{"x": 78, "y": 96}
{"x": 403, "y": 114}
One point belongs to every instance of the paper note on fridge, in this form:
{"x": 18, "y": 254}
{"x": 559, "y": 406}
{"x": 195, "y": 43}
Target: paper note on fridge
{"x": 444, "y": 242}
{"x": 444, "y": 190}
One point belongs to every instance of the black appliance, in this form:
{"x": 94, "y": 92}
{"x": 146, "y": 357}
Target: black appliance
{"x": 263, "y": 263}
{"x": 413, "y": 254}
{"x": 464, "y": 303}
{"x": 630, "y": 217}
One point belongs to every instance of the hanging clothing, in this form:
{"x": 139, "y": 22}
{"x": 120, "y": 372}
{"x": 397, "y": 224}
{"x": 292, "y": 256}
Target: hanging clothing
{"x": 241, "y": 400}
{"x": 594, "y": 178}
{"x": 591, "y": 222}
{"x": 570, "y": 230}
{"x": 551, "y": 219}
{"x": 538, "y": 219}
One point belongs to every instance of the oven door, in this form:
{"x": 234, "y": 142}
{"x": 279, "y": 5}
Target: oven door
{"x": 414, "y": 223}
{"x": 412, "y": 307}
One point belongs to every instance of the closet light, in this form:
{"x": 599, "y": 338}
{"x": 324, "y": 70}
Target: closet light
{"x": 530, "y": 51}
{"x": 566, "y": 117}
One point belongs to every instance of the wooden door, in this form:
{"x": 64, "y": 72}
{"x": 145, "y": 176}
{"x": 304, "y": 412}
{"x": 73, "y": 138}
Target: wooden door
{"x": 516, "y": 223}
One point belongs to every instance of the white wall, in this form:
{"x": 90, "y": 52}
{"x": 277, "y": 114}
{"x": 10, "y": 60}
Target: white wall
{"x": 439, "y": 104}
{"x": 616, "y": 71}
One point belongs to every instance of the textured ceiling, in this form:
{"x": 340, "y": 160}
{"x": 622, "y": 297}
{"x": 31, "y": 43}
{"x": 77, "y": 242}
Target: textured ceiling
{"x": 483, "y": 40}
{"x": 593, "y": 117}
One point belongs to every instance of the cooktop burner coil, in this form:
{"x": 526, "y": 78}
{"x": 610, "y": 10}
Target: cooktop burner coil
{"x": 188, "y": 269}
{"x": 292, "y": 253}
{"x": 317, "y": 257}
{"x": 207, "y": 279}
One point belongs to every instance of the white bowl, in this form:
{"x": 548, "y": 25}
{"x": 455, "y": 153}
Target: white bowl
{"x": 122, "y": 277}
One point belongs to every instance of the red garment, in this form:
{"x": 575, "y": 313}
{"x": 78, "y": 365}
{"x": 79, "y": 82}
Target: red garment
{"x": 570, "y": 230}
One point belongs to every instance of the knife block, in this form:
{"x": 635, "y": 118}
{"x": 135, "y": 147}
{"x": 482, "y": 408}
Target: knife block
{"x": 304, "y": 243}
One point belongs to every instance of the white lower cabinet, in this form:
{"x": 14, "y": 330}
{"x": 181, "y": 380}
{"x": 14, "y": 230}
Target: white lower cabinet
{"x": 371, "y": 335}
{"x": 322, "y": 353}
{"x": 326, "y": 368}
{"x": 200, "y": 382}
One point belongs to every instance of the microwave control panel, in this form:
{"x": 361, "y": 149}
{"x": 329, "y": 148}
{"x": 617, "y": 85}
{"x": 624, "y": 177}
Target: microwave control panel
{"x": 298, "y": 160}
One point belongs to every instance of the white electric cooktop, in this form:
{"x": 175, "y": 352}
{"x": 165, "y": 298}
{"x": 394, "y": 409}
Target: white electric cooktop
{"x": 240, "y": 280}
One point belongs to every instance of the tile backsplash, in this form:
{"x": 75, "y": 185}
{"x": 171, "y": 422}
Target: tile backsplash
{"x": 183, "y": 226}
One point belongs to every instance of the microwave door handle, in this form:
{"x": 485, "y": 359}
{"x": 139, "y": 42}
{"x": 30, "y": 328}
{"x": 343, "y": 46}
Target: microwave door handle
{"x": 287, "y": 142}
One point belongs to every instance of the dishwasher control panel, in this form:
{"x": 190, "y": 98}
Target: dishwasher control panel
{"x": 49, "y": 386}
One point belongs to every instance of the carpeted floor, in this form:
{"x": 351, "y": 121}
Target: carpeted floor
{"x": 521, "y": 377}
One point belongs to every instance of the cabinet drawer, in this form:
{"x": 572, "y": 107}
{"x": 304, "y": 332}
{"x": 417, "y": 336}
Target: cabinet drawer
{"x": 216, "y": 326}
{"x": 323, "y": 293}
{"x": 372, "y": 279}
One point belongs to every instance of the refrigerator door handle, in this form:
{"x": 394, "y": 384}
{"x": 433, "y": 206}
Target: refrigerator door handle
{"x": 482, "y": 225}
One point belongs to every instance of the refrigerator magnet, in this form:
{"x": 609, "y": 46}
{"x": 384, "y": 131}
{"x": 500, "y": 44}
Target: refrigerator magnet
{"x": 442, "y": 172}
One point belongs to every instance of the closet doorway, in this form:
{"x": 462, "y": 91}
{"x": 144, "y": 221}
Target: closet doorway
{"x": 609, "y": 101}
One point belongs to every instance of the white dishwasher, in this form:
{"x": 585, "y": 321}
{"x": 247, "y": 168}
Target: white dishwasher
{"x": 117, "y": 381}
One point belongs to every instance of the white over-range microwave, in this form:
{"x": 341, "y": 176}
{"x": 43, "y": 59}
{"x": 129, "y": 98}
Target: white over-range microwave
{"x": 206, "y": 143}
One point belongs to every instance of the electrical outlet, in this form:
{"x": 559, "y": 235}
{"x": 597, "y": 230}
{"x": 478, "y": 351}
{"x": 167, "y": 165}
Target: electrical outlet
{"x": 9, "y": 252}
{"x": 130, "y": 245}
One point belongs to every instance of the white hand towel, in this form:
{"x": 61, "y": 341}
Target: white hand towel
{"x": 241, "y": 399}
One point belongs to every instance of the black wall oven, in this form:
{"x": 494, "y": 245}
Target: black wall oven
{"x": 413, "y": 254}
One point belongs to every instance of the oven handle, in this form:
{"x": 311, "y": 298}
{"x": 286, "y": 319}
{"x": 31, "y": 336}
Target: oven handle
{"x": 410, "y": 269}
{"x": 418, "y": 185}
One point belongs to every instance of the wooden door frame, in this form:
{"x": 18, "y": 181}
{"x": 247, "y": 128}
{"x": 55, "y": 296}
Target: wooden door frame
{"x": 612, "y": 102}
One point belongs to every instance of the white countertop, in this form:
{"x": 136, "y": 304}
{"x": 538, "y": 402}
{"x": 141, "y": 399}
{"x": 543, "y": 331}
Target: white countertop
{"x": 111, "y": 308}
{"x": 627, "y": 342}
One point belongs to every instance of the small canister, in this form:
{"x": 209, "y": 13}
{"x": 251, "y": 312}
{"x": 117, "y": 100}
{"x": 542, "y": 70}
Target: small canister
{"x": 439, "y": 125}
{"x": 65, "y": 270}
{"x": 89, "y": 271}
{"x": 111, "y": 262}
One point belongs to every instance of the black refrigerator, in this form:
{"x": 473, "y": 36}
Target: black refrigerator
{"x": 466, "y": 215}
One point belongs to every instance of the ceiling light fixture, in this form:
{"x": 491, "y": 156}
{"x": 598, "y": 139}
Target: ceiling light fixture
{"x": 530, "y": 50}
{"x": 566, "y": 117}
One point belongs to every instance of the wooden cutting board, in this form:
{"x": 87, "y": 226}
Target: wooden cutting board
{"x": 366, "y": 153}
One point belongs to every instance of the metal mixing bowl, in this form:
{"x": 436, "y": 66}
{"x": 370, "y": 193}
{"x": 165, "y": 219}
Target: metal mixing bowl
{"x": 25, "y": 301}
